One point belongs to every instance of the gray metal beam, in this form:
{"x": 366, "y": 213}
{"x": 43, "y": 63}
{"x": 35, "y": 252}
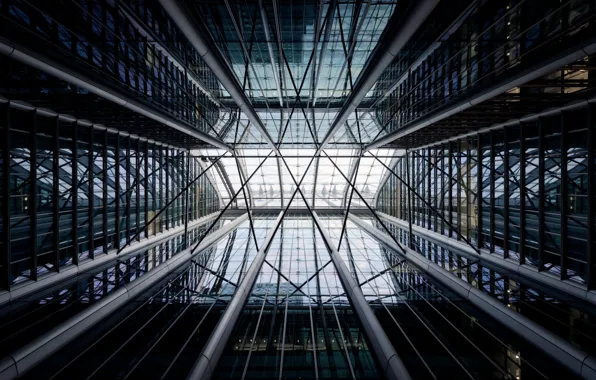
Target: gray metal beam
{"x": 205, "y": 366}
{"x": 26, "y": 357}
{"x": 535, "y": 71}
{"x": 564, "y": 352}
{"x": 222, "y": 72}
{"x": 45, "y": 64}
{"x": 381, "y": 345}
{"x": 379, "y": 61}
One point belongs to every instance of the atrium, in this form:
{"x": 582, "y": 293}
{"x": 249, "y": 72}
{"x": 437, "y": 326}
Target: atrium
{"x": 297, "y": 189}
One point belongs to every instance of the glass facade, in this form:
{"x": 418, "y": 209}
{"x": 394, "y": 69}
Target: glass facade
{"x": 297, "y": 190}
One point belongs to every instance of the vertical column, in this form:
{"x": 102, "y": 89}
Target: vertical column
{"x": 56, "y": 194}
{"x": 186, "y": 198}
{"x": 591, "y": 246}
{"x": 458, "y": 189}
{"x": 468, "y": 189}
{"x": 128, "y": 188}
{"x": 436, "y": 192}
{"x": 91, "y": 195}
{"x": 138, "y": 189}
{"x": 105, "y": 186}
{"x": 522, "y": 194}
{"x": 33, "y": 193}
{"x": 505, "y": 192}
{"x": 154, "y": 183}
{"x": 161, "y": 188}
{"x": 74, "y": 193}
{"x": 563, "y": 195}
{"x": 167, "y": 188}
{"x": 409, "y": 193}
{"x": 6, "y": 246}
{"x": 541, "y": 194}
{"x": 479, "y": 170}
{"x": 492, "y": 192}
{"x": 146, "y": 187}
{"x": 379, "y": 342}
{"x": 117, "y": 191}
{"x": 450, "y": 189}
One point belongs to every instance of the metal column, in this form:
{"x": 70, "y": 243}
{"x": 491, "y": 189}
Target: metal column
{"x": 541, "y": 194}
{"x": 90, "y": 196}
{"x": 505, "y": 193}
{"x": 391, "y": 363}
{"x": 591, "y": 246}
{"x": 56, "y": 194}
{"x": 205, "y": 365}
{"x": 105, "y": 194}
{"x": 6, "y": 244}
{"x": 33, "y": 194}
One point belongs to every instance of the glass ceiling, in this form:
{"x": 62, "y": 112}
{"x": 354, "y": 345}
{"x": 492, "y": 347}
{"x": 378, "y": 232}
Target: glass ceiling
{"x": 297, "y": 64}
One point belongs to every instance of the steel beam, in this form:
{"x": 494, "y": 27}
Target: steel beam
{"x": 392, "y": 365}
{"x": 74, "y": 183}
{"x": 56, "y": 194}
{"x": 221, "y": 71}
{"x": 479, "y": 224}
{"x": 563, "y": 204}
{"x": 379, "y": 61}
{"x": 537, "y": 70}
{"x": 566, "y": 288}
{"x": 90, "y": 195}
{"x": 5, "y": 255}
{"x": 45, "y": 64}
{"x": 591, "y": 217}
{"x": 576, "y": 360}
{"x": 204, "y": 367}
{"x": 22, "y": 360}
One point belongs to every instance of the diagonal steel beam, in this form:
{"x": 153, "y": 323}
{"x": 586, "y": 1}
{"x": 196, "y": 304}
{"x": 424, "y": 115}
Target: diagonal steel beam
{"x": 215, "y": 63}
{"x": 381, "y": 345}
{"x": 298, "y": 288}
{"x": 281, "y": 275}
{"x": 380, "y": 59}
{"x": 231, "y": 201}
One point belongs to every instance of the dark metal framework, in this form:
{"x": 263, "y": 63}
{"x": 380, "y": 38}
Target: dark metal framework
{"x": 75, "y": 191}
{"x": 525, "y": 195}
